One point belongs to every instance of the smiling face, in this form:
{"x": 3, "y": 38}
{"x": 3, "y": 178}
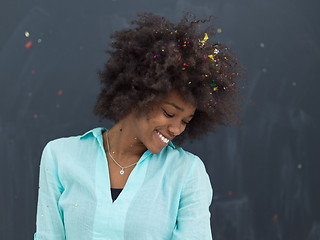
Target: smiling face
{"x": 167, "y": 119}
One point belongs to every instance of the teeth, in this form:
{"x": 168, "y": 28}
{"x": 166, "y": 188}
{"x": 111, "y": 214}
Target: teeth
{"x": 164, "y": 139}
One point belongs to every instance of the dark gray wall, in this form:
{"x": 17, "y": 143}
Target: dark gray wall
{"x": 265, "y": 175}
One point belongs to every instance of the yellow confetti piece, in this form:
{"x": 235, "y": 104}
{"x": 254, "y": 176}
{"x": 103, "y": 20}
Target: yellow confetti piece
{"x": 162, "y": 50}
{"x": 41, "y": 215}
{"x": 215, "y": 89}
{"x": 225, "y": 58}
{"x": 76, "y": 204}
{"x": 27, "y": 34}
{"x": 211, "y": 56}
{"x": 205, "y": 38}
{"x": 219, "y": 30}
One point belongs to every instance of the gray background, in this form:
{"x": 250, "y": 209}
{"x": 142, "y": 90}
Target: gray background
{"x": 265, "y": 175}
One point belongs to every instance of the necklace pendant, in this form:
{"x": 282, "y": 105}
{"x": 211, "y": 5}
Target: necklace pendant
{"x": 121, "y": 172}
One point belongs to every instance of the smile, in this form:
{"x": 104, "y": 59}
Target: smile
{"x": 162, "y": 138}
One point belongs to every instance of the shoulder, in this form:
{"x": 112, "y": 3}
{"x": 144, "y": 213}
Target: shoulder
{"x": 187, "y": 169}
{"x": 180, "y": 159}
{"x": 70, "y": 143}
{"x": 176, "y": 152}
{"x": 63, "y": 143}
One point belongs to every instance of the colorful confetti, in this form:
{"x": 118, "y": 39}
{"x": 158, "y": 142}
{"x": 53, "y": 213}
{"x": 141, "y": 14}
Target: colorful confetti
{"x": 60, "y": 92}
{"x": 35, "y": 116}
{"x": 219, "y": 30}
{"x": 27, "y": 34}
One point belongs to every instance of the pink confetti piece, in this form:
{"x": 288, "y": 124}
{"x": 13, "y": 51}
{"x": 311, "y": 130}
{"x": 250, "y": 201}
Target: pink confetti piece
{"x": 28, "y": 44}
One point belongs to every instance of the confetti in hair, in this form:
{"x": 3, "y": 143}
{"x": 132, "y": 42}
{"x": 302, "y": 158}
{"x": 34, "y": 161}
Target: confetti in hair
{"x": 211, "y": 57}
{"x": 204, "y": 39}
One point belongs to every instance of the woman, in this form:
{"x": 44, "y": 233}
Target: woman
{"x": 162, "y": 82}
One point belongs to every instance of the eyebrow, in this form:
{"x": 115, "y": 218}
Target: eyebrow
{"x": 177, "y": 107}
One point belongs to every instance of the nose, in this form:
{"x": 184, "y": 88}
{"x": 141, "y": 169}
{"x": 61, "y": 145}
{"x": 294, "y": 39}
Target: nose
{"x": 176, "y": 129}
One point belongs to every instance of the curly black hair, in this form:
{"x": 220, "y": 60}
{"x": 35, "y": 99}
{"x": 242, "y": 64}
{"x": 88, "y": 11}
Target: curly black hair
{"x": 155, "y": 56}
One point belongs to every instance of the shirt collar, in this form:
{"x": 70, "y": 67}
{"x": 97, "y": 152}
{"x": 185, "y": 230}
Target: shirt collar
{"x": 95, "y": 132}
{"x": 98, "y": 131}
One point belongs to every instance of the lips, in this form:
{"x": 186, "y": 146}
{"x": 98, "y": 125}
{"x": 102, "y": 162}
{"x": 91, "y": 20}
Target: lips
{"x": 164, "y": 139}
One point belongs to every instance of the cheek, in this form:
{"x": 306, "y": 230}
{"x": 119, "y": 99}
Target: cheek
{"x": 155, "y": 118}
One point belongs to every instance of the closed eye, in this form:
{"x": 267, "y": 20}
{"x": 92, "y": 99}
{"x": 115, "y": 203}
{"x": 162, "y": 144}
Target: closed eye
{"x": 167, "y": 114}
{"x": 171, "y": 116}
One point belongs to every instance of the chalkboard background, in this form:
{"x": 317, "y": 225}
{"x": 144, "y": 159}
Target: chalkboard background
{"x": 265, "y": 175}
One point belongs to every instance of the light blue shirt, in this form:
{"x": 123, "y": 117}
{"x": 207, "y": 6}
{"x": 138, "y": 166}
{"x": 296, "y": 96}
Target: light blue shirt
{"x": 167, "y": 195}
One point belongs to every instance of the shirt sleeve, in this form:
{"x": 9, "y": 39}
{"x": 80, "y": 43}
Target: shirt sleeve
{"x": 49, "y": 222}
{"x": 193, "y": 218}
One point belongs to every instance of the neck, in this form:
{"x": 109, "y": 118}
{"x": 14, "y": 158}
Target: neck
{"x": 124, "y": 146}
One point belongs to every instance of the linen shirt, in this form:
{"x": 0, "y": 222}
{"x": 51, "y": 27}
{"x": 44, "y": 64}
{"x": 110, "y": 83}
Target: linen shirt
{"x": 167, "y": 195}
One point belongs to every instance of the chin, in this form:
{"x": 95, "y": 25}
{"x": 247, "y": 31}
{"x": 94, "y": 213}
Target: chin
{"x": 154, "y": 148}
{"x": 155, "y": 151}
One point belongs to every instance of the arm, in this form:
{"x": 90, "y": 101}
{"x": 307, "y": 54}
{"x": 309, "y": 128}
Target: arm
{"x": 49, "y": 223}
{"x": 193, "y": 219}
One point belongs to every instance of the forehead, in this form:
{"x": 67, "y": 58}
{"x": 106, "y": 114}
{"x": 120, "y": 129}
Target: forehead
{"x": 175, "y": 98}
